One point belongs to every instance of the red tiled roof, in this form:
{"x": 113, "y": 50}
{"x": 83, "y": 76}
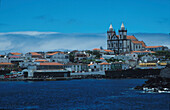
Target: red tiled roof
{"x": 153, "y": 46}
{"x": 15, "y": 53}
{"x": 40, "y": 60}
{"x": 143, "y": 44}
{"x": 143, "y": 52}
{"x": 6, "y": 64}
{"x": 55, "y": 53}
{"x": 96, "y": 49}
{"x": 90, "y": 64}
{"x": 108, "y": 50}
{"x": 136, "y": 42}
{"x": 51, "y": 63}
{"x": 34, "y": 53}
{"x": 104, "y": 63}
{"x": 101, "y": 58}
{"x": 131, "y": 37}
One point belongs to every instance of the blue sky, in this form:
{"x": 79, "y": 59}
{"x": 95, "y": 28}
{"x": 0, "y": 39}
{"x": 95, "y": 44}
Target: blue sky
{"x": 85, "y": 16}
{"x": 42, "y": 25}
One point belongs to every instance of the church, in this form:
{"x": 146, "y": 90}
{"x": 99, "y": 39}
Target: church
{"x": 122, "y": 42}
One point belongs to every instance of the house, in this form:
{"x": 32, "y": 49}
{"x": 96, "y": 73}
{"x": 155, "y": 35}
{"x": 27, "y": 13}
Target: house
{"x": 59, "y": 57}
{"x": 105, "y": 66}
{"x": 93, "y": 67}
{"x": 132, "y": 63}
{"x": 110, "y": 52}
{"x": 80, "y": 56}
{"x": 15, "y": 57}
{"x": 14, "y": 54}
{"x": 156, "y": 48}
{"x": 119, "y": 66}
{"x": 34, "y": 55}
{"x": 147, "y": 58}
{"x": 7, "y": 66}
{"x": 3, "y": 59}
{"x": 76, "y": 67}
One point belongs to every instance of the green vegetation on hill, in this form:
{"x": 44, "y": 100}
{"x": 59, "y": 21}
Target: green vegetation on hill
{"x": 163, "y": 53}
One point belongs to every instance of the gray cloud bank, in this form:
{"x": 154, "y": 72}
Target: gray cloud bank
{"x": 45, "y": 41}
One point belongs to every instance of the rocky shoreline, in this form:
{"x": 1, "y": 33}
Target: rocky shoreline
{"x": 160, "y": 84}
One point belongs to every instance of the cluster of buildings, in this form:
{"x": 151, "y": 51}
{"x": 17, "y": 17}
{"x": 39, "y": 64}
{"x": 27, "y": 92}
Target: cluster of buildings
{"x": 123, "y": 52}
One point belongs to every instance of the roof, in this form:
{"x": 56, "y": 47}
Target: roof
{"x": 108, "y": 50}
{"x": 40, "y": 60}
{"x": 101, "y": 58}
{"x": 6, "y": 64}
{"x": 153, "y": 46}
{"x": 96, "y": 49}
{"x": 34, "y": 53}
{"x": 15, "y": 53}
{"x": 55, "y": 53}
{"x": 51, "y": 63}
{"x": 136, "y": 42}
{"x": 104, "y": 63}
{"x": 14, "y": 57}
{"x": 131, "y": 60}
{"x": 143, "y": 52}
{"x": 131, "y": 37}
{"x": 90, "y": 64}
{"x": 143, "y": 44}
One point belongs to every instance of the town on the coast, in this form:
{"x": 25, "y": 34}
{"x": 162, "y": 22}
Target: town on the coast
{"x": 124, "y": 54}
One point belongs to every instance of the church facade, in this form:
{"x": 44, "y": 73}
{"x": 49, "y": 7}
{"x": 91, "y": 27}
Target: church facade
{"x": 122, "y": 42}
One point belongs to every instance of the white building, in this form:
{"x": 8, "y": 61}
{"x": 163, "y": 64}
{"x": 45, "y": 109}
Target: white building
{"x": 76, "y": 67}
{"x": 147, "y": 58}
{"x": 60, "y": 57}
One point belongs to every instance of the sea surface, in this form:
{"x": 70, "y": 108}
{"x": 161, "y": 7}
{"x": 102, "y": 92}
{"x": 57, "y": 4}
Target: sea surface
{"x": 86, "y": 94}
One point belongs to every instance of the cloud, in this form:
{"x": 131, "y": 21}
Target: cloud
{"x": 30, "y": 33}
{"x": 47, "y": 41}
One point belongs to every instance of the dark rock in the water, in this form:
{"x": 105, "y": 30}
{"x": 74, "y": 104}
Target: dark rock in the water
{"x": 158, "y": 84}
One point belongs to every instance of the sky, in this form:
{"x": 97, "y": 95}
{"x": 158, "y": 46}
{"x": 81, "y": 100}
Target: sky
{"x": 32, "y": 25}
{"x": 85, "y": 16}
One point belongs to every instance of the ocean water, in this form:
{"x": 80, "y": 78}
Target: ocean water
{"x": 86, "y": 94}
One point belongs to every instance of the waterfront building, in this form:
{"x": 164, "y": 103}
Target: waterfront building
{"x": 49, "y": 65}
{"x": 93, "y": 67}
{"x": 46, "y": 70}
{"x": 105, "y": 66}
{"x": 7, "y": 66}
{"x": 119, "y": 66}
{"x": 76, "y": 67}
